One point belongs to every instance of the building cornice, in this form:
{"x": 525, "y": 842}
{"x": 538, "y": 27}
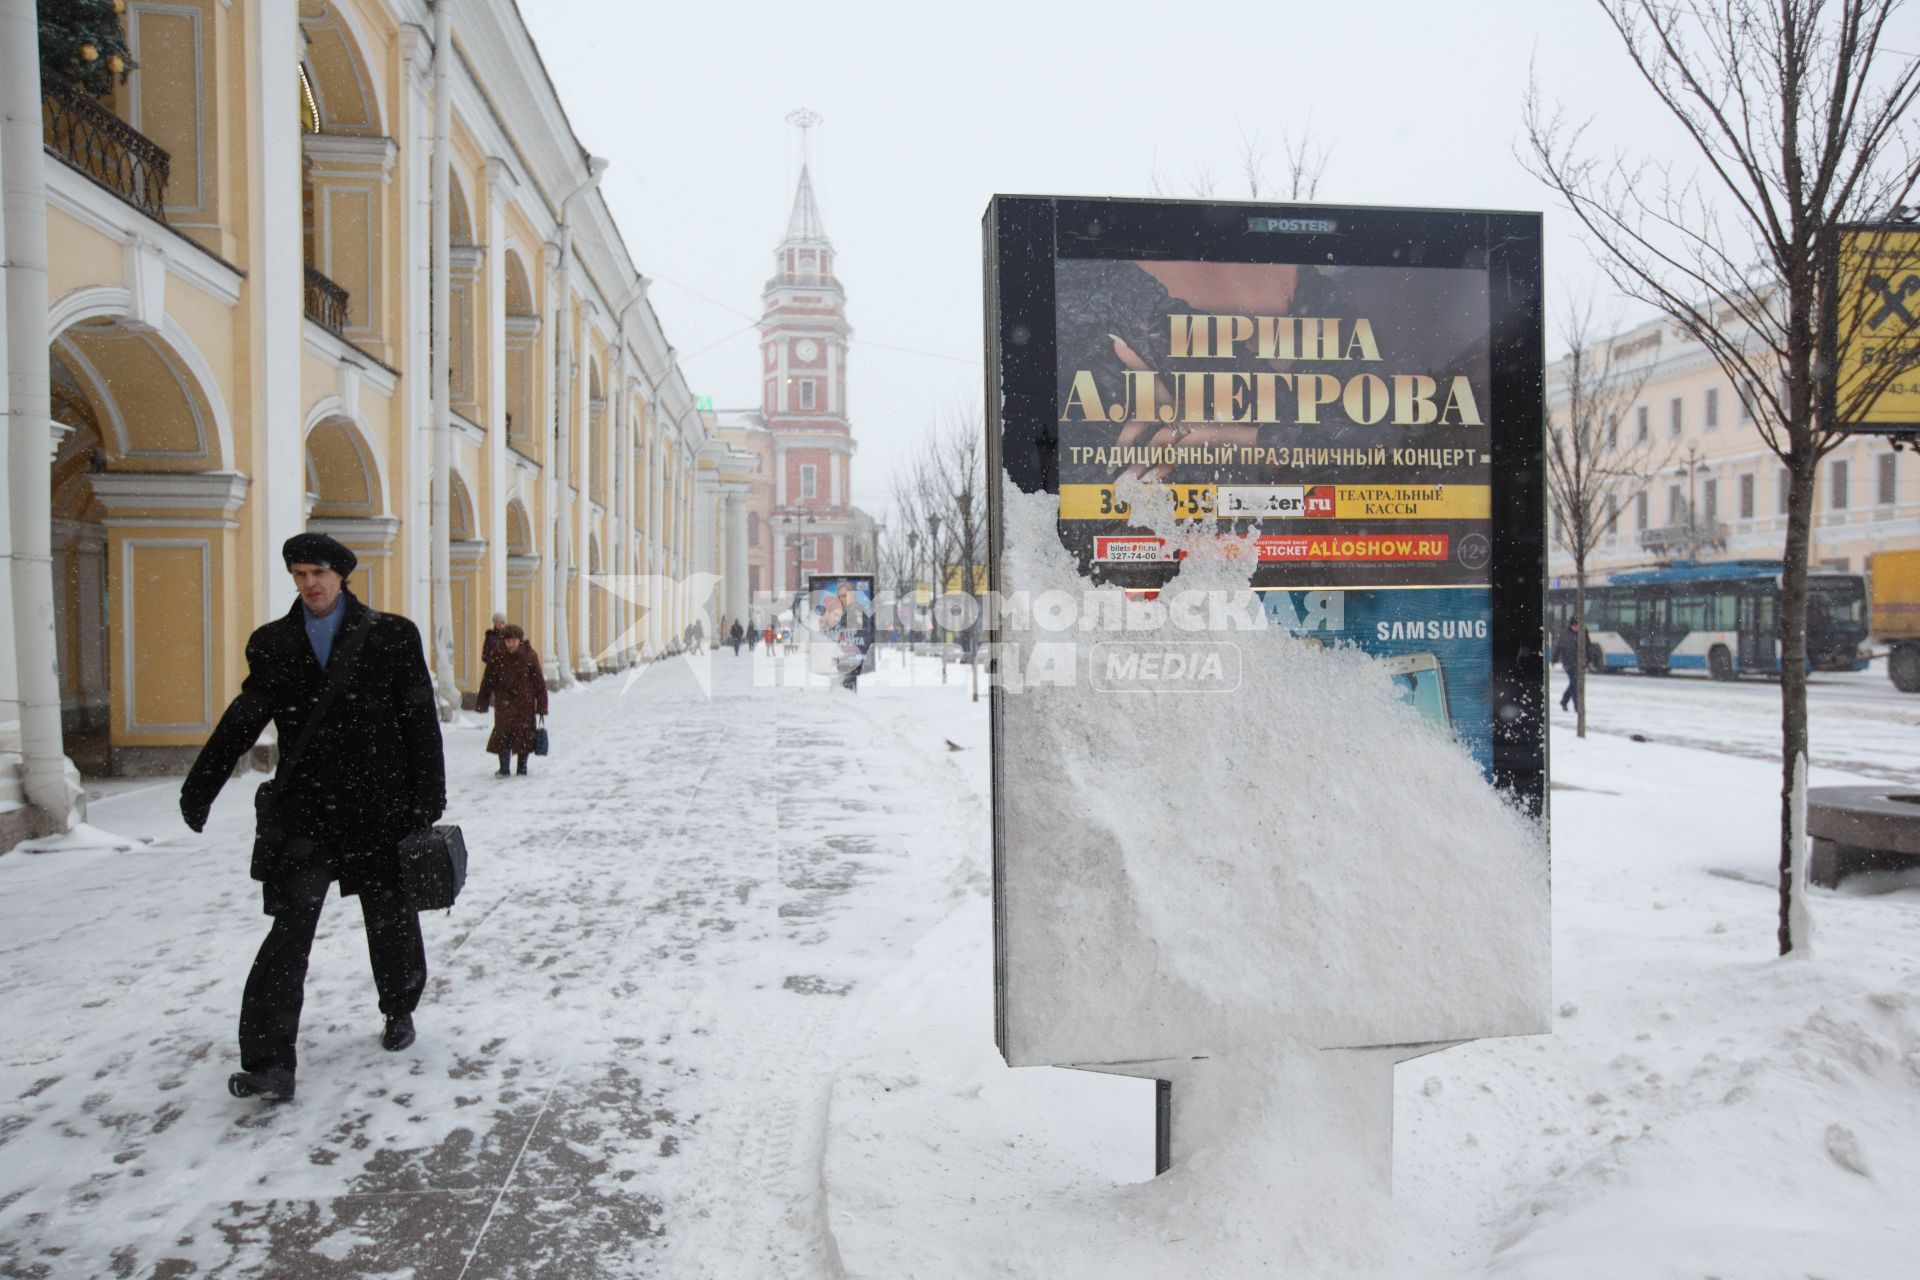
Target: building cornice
{"x": 221, "y": 491}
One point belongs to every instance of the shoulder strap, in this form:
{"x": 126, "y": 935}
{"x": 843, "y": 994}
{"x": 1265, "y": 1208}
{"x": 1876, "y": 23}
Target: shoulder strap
{"x": 339, "y": 671}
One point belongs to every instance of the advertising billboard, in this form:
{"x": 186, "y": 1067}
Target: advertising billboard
{"x": 1267, "y": 539}
{"x": 838, "y": 613}
{"x": 1877, "y": 329}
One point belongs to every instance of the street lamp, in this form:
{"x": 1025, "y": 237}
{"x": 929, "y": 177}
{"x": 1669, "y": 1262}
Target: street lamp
{"x": 967, "y": 585}
{"x": 913, "y": 585}
{"x": 1693, "y": 467}
{"x": 796, "y": 526}
{"x": 933, "y": 571}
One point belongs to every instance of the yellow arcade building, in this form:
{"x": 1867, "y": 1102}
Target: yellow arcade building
{"x": 228, "y": 282}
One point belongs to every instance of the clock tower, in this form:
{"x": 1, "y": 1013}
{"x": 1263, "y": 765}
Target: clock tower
{"x": 803, "y": 399}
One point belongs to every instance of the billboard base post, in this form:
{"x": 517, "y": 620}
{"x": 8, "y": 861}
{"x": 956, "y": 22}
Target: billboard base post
{"x": 1298, "y": 1111}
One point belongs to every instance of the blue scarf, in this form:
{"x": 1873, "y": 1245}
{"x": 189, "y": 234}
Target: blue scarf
{"x": 322, "y": 630}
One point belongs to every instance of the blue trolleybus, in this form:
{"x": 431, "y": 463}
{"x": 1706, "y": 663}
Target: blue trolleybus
{"x": 1722, "y": 618}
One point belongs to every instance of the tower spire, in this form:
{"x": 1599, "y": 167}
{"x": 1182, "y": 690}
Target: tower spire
{"x": 805, "y": 222}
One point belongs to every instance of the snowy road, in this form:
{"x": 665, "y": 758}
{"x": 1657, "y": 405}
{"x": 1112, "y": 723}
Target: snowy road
{"x": 628, "y": 1040}
{"x": 1857, "y": 721}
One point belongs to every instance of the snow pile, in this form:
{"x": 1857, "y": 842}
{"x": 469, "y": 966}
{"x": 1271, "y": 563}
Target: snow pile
{"x": 1702, "y": 1108}
{"x": 1302, "y": 862}
{"x": 1799, "y": 1158}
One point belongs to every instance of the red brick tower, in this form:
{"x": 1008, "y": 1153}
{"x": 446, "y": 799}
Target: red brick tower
{"x": 803, "y": 366}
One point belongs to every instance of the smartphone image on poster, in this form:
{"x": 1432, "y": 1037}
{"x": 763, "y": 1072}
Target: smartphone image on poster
{"x": 1418, "y": 679}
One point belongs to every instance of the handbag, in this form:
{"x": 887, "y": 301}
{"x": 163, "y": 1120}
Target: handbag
{"x": 433, "y": 867}
{"x": 275, "y": 849}
{"x": 540, "y": 738}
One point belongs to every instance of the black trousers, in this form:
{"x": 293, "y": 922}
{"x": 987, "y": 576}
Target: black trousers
{"x": 276, "y": 988}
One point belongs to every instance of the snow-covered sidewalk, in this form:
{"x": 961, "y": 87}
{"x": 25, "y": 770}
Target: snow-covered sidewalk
{"x": 717, "y": 1004}
{"x": 630, "y": 1032}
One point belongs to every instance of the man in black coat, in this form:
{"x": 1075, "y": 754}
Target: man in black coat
{"x": 372, "y": 773}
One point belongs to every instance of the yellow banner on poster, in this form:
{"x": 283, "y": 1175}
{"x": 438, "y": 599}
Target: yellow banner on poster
{"x": 1291, "y": 502}
{"x": 1879, "y": 326}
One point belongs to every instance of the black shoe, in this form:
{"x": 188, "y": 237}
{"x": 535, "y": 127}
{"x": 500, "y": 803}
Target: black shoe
{"x": 523, "y": 771}
{"x": 399, "y": 1033}
{"x": 500, "y": 773}
{"x": 275, "y": 1084}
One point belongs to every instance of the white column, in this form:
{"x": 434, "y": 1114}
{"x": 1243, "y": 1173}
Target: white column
{"x": 656, "y": 523}
{"x": 561, "y": 464}
{"x": 442, "y": 324}
{"x": 499, "y": 465}
{"x": 621, "y": 468}
{"x": 705, "y": 492}
{"x": 276, "y": 289}
{"x": 738, "y": 601}
{"x": 685, "y": 554}
{"x": 580, "y": 433}
{"x": 546, "y": 518}
{"x": 27, "y": 404}
{"x": 413, "y": 488}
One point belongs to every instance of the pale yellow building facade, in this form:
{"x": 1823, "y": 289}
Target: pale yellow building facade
{"x": 239, "y": 337}
{"x": 1715, "y": 490}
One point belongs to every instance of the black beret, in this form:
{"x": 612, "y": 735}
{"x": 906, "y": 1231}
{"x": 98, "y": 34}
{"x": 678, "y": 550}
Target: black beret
{"x": 318, "y": 548}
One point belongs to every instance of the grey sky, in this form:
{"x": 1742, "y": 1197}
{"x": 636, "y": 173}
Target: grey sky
{"x": 931, "y": 110}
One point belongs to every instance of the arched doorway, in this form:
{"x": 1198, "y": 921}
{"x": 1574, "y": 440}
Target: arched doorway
{"x": 597, "y": 601}
{"x": 143, "y": 544}
{"x": 467, "y": 554}
{"x": 523, "y": 572}
{"x": 347, "y": 500}
{"x": 523, "y": 360}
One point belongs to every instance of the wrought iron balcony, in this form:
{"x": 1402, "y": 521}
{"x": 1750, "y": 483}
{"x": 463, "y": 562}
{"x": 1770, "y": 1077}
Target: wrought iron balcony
{"x": 79, "y": 130}
{"x": 326, "y": 302}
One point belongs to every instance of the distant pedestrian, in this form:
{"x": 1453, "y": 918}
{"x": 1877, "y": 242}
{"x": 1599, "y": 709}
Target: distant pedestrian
{"x": 491, "y": 643}
{"x": 361, "y": 768}
{"x": 516, "y": 688}
{"x": 1569, "y": 656}
{"x": 737, "y": 633}
{"x": 768, "y": 636}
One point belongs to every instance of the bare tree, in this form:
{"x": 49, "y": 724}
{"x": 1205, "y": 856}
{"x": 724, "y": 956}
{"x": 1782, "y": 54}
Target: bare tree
{"x": 1796, "y": 112}
{"x": 1253, "y": 159}
{"x": 1306, "y": 162}
{"x": 1592, "y": 469}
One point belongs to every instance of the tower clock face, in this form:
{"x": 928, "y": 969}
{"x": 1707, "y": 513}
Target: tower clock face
{"x": 806, "y": 349}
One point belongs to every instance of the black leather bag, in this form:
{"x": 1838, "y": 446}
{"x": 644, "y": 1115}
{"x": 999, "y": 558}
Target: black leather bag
{"x": 276, "y": 850}
{"x": 433, "y": 867}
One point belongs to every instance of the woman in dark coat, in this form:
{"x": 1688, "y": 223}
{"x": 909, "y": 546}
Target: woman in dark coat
{"x": 516, "y": 687}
